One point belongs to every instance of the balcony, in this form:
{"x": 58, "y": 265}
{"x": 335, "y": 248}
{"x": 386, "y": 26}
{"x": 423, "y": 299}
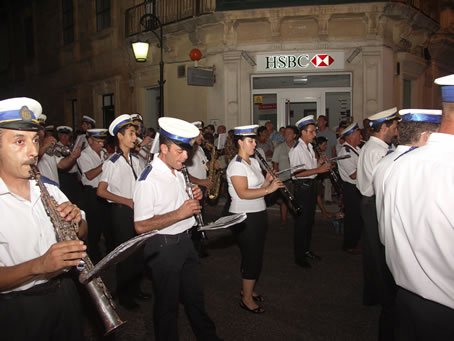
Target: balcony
{"x": 168, "y": 12}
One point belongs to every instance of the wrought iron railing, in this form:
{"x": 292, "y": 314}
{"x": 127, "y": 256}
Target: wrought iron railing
{"x": 168, "y": 11}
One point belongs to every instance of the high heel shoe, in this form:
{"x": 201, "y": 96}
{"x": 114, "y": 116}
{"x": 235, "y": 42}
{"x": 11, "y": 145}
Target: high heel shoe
{"x": 256, "y": 298}
{"x": 258, "y": 310}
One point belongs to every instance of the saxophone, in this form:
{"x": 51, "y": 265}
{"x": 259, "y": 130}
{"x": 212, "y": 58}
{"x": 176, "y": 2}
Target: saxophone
{"x": 68, "y": 231}
{"x": 214, "y": 175}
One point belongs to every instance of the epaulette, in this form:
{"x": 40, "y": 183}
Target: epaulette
{"x": 347, "y": 149}
{"x": 114, "y": 157}
{"x": 134, "y": 155}
{"x": 238, "y": 158}
{"x": 145, "y": 172}
{"x": 296, "y": 144}
{"x": 408, "y": 151}
{"x": 49, "y": 181}
{"x": 389, "y": 152}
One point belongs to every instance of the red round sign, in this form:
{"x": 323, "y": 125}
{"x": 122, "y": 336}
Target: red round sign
{"x": 195, "y": 54}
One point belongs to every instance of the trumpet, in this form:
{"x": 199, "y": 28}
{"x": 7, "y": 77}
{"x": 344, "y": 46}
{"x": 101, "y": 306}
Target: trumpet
{"x": 284, "y": 190}
{"x": 144, "y": 152}
{"x": 59, "y": 150}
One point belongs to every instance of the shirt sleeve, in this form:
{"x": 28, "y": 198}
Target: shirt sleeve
{"x": 144, "y": 199}
{"x": 276, "y": 152}
{"x": 348, "y": 165}
{"x": 237, "y": 169}
{"x": 107, "y": 171}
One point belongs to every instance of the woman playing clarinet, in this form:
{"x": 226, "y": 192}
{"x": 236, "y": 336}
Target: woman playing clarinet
{"x": 247, "y": 188}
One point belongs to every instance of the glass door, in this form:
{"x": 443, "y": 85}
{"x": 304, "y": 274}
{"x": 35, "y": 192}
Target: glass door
{"x": 294, "y": 105}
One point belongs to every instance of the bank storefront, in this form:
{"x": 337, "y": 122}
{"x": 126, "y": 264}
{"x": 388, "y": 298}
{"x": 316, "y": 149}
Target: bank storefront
{"x": 289, "y": 86}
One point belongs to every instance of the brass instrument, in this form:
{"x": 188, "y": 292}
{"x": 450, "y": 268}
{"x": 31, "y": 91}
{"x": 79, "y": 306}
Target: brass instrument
{"x": 284, "y": 190}
{"x": 58, "y": 150}
{"x": 146, "y": 149}
{"x": 68, "y": 231}
{"x": 214, "y": 175}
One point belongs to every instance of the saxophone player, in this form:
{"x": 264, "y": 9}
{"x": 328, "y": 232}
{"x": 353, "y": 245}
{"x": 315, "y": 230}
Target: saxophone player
{"x": 36, "y": 300}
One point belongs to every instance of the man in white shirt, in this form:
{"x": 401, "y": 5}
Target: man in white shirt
{"x": 379, "y": 287}
{"x": 302, "y": 153}
{"x": 351, "y": 194}
{"x": 90, "y": 164}
{"x": 37, "y": 301}
{"x": 418, "y": 197}
{"x": 161, "y": 202}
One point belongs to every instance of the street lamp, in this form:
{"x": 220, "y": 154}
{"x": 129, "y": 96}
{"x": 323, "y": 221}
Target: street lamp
{"x": 151, "y": 23}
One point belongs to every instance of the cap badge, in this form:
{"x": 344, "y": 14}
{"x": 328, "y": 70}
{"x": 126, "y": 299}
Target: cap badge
{"x": 25, "y": 113}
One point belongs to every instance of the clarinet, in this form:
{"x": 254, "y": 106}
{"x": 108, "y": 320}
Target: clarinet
{"x": 332, "y": 174}
{"x": 284, "y": 190}
{"x": 198, "y": 217}
{"x": 68, "y": 231}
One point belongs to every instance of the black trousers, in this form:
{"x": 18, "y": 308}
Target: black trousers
{"x": 352, "y": 220}
{"x": 306, "y": 196}
{"x": 250, "y": 235}
{"x": 379, "y": 285}
{"x": 98, "y": 220}
{"x": 72, "y": 187}
{"x": 421, "y": 320}
{"x": 175, "y": 273}
{"x": 130, "y": 270}
{"x": 50, "y": 311}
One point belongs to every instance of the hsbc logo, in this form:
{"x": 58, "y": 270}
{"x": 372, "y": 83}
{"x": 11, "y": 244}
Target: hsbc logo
{"x": 302, "y": 61}
{"x": 322, "y": 60}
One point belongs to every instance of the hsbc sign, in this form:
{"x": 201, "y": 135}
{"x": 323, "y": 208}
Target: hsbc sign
{"x": 323, "y": 61}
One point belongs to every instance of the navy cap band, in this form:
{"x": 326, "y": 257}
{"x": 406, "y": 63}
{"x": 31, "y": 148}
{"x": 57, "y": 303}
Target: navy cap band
{"x": 421, "y": 118}
{"x": 380, "y": 120}
{"x": 351, "y": 130}
{"x": 248, "y": 131}
{"x": 11, "y": 115}
{"x": 121, "y": 124}
{"x": 188, "y": 140}
{"x": 447, "y": 93}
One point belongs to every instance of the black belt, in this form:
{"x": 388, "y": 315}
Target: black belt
{"x": 304, "y": 181}
{"x": 37, "y": 290}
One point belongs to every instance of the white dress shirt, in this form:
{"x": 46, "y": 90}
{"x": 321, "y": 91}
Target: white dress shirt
{"x": 347, "y": 167}
{"x": 87, "y": 161}
{"x": 372, "y": 152}
{"x": 303, "y": 154}
{"x": 379, "y": 176}
{"x": 159, "y": 191}
{"x": 197, "y": 165}
{"x": 118, "y": 174}
{"x": 419, "y": 225}
{"x": 48, "y": 167}
{"x": 255, "y": 179}
{"x": 26, "y": 231}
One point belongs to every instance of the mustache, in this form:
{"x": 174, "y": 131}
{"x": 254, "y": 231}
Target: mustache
{"x": 31, "y": 161}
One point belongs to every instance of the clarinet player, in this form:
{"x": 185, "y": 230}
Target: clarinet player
{"x": 247, "y": 188}
{"x": 37, "y": 301}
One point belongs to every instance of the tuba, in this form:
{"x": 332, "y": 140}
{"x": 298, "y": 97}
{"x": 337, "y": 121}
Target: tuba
{"x": 68, "y": 231}
{"x": 213, "y": 174}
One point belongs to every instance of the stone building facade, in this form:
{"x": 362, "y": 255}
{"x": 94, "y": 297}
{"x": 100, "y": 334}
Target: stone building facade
{"x": 345, "y": 60}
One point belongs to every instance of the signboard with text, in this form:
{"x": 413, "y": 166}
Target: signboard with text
{"x": 304, "y": 61}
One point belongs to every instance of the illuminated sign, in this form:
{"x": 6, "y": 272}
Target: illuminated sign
{"x": 323, "y": 61}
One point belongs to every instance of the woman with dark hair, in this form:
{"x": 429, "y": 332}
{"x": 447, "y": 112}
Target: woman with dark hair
{"x": 247, "y": 188}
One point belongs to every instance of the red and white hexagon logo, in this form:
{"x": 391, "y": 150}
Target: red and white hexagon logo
{"x": 322, "y": 60}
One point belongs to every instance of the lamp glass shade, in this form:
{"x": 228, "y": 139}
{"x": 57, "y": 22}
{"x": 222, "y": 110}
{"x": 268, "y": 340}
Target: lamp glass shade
{"x": 140, "y": 50}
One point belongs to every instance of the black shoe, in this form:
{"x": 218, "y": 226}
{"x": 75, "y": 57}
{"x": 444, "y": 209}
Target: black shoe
{"x": 303, "y": 264}
{"x": 258, "y": 310}
{"x": 140, "y": 295}
{"x": 128, "y": 303}
{"x": 312, "y": 256}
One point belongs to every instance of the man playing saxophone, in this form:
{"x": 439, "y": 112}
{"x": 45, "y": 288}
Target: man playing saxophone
{"x": 36, "y": 300}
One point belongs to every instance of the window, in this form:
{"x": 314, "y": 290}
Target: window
{"x": 29, "y": 38}
{"x": 68, "y": 21}
{"x": 102, "y": 14}
{"x": 108, "y": 109}
{"x": 407, "y": 94}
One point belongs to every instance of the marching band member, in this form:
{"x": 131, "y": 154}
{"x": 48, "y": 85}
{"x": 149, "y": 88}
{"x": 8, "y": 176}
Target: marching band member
{"x": 378, "y": 282}
{"x": 144, "y": 142}
{"x": 116, "y": 185}
{"x": 305, "y": 189}
{"x": 36, "y": 300}
{"x": 81, "y": 139}
{"x": 351, "y": 194}
{"x": 90, "y": 164}
{"x": 247, "y": 188}
{"x": 415, "y": 127}
{"x": 417, "y": 202}
{"x": 161, "y": 202}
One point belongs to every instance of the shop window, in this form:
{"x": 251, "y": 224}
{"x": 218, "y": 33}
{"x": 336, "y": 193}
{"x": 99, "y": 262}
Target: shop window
{"x": 265, "y": 109}
{"x": 302, "y": 81}
{"x": 68, "y": 21}
{"x": 102, "y": 14}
